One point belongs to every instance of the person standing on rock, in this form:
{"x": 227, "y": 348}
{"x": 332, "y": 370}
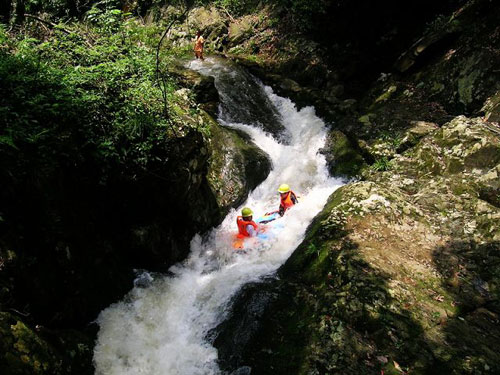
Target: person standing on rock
{"x": 198, "y": 46}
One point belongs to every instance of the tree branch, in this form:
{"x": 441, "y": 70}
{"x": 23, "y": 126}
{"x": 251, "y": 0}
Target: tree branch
{"x": 53, "y": 25}
{"x": 162, "y": 82}
{"x": 163, "y": 37}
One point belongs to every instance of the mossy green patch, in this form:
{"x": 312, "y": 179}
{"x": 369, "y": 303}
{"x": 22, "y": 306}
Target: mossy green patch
{"x": 342, "y": 157}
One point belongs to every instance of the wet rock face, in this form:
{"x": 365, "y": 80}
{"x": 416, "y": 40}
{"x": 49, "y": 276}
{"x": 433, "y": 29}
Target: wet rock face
{"x": 235, "y": 334}
{"x": 201, "y": 86}
{"x": 342, "y": 157}
{"x": 236, "y": 166}
{"x": 244, "y": 100}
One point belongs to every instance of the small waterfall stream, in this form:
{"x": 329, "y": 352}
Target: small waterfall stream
{"x": 162, "y": 328}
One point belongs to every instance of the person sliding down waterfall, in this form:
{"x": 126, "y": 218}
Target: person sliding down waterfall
{"x": 246, "y": 226}
{"x": 287, "y": 199}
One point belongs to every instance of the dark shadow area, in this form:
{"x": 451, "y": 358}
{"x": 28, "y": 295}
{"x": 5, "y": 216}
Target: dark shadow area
{"x": 471, "y": 274}
{"x": 434, "y": 52}
{"x": 5, "y": 9}
{"x": 369, "y": 35}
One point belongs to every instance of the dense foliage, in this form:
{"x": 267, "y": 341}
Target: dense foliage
{"x": 81, "y": 95}
{"x": 302, "y": 10}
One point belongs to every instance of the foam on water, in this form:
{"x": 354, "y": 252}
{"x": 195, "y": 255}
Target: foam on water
{"x": 162, "y": 329}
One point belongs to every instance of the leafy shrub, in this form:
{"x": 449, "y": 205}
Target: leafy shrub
{"x": 106, "y": 15}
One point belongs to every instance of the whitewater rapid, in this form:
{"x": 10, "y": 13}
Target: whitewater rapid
{"x": 162, "y": 328}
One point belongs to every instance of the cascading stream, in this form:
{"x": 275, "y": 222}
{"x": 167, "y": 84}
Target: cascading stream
{"x": 162, "y": 329}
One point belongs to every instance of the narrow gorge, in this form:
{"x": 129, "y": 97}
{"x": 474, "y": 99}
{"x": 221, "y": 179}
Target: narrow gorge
{"x": 125, "y": 162}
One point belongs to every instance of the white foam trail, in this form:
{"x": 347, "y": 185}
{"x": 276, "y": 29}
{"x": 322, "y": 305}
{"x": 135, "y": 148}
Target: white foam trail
{"x": 162, "y": 329}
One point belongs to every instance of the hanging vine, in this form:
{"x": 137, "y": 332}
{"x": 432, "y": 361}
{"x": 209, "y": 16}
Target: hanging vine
{"x": 161, "y": 77}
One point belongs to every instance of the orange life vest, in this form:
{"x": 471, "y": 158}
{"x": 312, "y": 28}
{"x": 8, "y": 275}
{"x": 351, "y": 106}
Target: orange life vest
{"x": 287, "y": 202}
{"x": 242, "y": 226}
{"x": 198, "y": 45}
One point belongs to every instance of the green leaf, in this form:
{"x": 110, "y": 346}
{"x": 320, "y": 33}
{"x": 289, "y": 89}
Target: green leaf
{"x": 7, "y": 140}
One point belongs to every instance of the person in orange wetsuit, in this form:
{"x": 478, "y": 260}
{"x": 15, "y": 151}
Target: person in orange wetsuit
{"x": 198, "y": 46}
{"x": 246, "y": 226}
{"x": 287, "y": 199}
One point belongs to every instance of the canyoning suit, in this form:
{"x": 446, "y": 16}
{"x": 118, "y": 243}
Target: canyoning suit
{"x": 198, "y": 47}
{"x": 287, "y": 201}
{"x": 246, "y": 228}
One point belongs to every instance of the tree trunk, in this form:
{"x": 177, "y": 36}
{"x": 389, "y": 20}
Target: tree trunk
{"x": 18, "y": 10}
{"x": 72, "y": 6}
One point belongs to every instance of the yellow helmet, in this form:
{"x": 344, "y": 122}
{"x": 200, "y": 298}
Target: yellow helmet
{"x": 246, "y": 212}
{"x": 284, "y": 188}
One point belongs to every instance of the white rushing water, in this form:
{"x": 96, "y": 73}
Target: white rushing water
{"x": 161, "y": 329}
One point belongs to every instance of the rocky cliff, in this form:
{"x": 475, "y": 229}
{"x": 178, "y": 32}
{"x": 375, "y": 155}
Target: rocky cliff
{"x": 398, "y": 273}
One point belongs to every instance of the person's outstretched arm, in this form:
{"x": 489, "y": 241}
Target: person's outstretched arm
{"x": 251, "y": 231}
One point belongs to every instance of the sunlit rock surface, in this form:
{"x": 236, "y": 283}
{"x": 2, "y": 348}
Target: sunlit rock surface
{"x": 397, "y": 272}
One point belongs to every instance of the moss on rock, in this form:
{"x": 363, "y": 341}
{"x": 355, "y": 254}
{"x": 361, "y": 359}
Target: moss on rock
{"x": 342, "y": 157}
{"x": 40, "y": 351}
{"x": 236, "y": 165}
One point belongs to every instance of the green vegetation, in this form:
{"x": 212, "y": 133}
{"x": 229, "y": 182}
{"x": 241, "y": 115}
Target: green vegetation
{"x": 382, "y": 164}
{"x": 389, "y": 137}
{"x": 87, "y": 93}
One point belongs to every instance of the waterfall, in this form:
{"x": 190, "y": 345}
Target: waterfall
{"x": 162, "y": 328}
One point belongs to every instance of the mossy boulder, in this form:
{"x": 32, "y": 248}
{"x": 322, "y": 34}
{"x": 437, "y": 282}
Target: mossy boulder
{"x": 202, "y": 87}
{"x": 33, "y": 351}
{"x": 492, "y": 108}
{"x": 489, "y": 186}
{"x": 462, "y": 145}
{"x": 237, "y": 166}
{"x": 417, "y": 131}
{"x": 241, "y": 29}
{"x": 342, "y": 157}
{"x": 207, "y": 19}
{"x": 213, "y": 23}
